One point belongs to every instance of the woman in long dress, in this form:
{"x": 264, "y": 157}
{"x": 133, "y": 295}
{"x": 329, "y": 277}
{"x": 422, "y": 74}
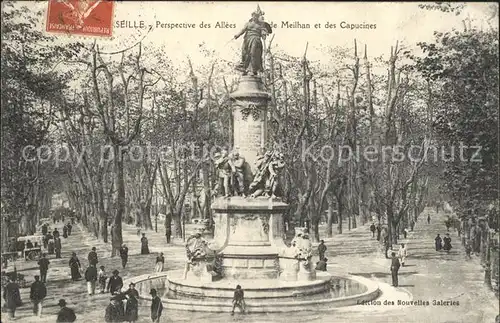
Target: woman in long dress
{"x": 252, "y": 49}
{"x": 74, "y": 265}
{"x": 144, "y": 245}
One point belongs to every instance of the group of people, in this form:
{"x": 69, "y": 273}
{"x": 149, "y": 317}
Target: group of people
{"x": 38, "y": 292}
{"x": 443, "y": 243}
{"x": 124, "y": 307}
{"x": 52, "y": 240}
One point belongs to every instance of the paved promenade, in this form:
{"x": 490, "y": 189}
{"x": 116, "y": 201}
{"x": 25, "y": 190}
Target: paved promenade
{"x": 429, "y": 277}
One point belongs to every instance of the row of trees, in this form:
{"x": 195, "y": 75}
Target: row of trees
{"x": 106, "y": 103}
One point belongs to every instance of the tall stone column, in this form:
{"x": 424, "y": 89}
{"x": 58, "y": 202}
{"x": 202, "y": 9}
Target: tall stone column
{"x": 250, "y": 102}
{"x": 249, "y": 231}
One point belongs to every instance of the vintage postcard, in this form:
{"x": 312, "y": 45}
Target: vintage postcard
{"x": 178, "y": 161}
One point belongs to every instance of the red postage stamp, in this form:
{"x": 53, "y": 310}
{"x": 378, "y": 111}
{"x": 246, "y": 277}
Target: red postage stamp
{"x": 82, "y": 17}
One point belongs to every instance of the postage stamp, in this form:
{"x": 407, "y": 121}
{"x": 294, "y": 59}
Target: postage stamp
{"x": 81, "y": 17}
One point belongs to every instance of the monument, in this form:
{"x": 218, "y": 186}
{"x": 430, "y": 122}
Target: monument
{"x": 248, "y": 247}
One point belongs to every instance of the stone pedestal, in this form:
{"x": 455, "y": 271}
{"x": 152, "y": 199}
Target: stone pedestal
{"x": 306, "y": 272}
{"x": 249, "y": 235}
{"x": 289, "y": 268}
{"x": 198, "y": 272}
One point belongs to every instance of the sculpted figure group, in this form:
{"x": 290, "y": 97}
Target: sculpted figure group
{"x": 233, "y": 171}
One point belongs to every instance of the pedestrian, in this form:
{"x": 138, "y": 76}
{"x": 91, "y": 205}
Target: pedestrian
{"x": 74, "y": 265}
{"x": 65, "y": 231}
{"x": 115, "y": 283}
{"x": 468, "y": 248}
{"x": 43, "y": 264}
{"x": 102, "y": 277}
{"x": 45, "y": 229}
{"x": 132, "y": 305}
{"x": 70, "y": 227}
{"x": 373, "y": 229}
{"x": 438, "y": 243}
{"x": 238, "y": 299}
{"x": 156, "y": 306}
{"x": 386, "y": 246}
{"x": 379, "y": 231}
{"x": 402, "y": 253}
{"x": 92, "y": 257}
{"x": 160, "y": 262}
{"x": 321, "y": 249}
{"x": 38, "y": 292}
{"x": 115, "y": 311}
{"x": 55, "y": 233}
{"x": 12, "y": 297}
{"x": 124, "y": 255}
{"x": 447, "y": 243}
{"x": 91, "y": 278}
{"x": 57, "y": 247}
{"x": 144, "y": 245}
{"x": 50, "y": 244}
{"x": 394, "y": 269}
{"x": 412, "y": 225}
{"x": 429, "y": 219}
{"x": 168, "y": 233}
{"x": 65, "y": 314}
{"x": 321, "y": 264}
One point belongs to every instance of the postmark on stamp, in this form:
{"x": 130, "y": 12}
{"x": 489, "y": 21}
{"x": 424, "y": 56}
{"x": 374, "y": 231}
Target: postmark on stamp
{"x": 81, "y": 17}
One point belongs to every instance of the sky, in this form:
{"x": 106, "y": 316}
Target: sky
{"x": 395, "y": 21}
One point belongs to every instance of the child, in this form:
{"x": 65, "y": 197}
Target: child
{"x": 101, "y": 276}
{"x": 160, "y": 261}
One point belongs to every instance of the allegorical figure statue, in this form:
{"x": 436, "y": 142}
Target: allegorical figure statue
{"x": 223, "y": 173}
{"x": 268, "y": 167}
{"x": 237, "y": 164}
{"x": 303, "y": 246}
{"x": 255, "y": 30}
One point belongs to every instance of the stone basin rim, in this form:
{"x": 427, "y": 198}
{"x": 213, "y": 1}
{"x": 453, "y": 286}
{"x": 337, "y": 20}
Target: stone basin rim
{"x": 373, "y": 292}
{"x": 285, "y": 284}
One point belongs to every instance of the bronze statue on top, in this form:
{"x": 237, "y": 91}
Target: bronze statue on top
{"x": 255, "y": 30}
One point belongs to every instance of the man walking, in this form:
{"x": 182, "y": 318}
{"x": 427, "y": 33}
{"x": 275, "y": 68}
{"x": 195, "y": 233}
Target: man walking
{"x": 372, "y": 229}
{"x": 57, "y": 247}
{"x": 115, "y": 283}
{"x": 65, "y": 314}
{"x": 38, "y": 292}
{"x": 124, "y": 255}
{"x": 394, "y": 269}
{"x": 91, "y": 278}
{"x": 43, "y": 264}
{"x": 92, "y": 257}
{"x": 321, "y": 249}
{"x": 429, "y": 219}
{"x": 156, "y": 306}
{"x": 12, "y": 297}
{"x": 239, "y": 299}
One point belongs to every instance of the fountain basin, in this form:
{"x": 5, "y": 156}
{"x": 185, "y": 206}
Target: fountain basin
{"x": 263, "y": 295}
